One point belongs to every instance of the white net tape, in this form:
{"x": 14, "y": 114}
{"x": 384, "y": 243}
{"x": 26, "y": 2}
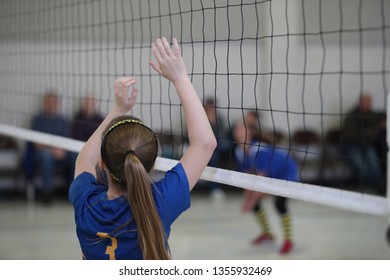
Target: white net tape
{"x": 347, "y": 200}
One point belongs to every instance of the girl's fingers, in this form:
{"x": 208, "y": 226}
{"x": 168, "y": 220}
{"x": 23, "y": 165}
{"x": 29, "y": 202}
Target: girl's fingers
{"x": 123, "y": 80}
{"x": 167, "y": 47}
{"x": 122, "y": 85}
{"x": 160, "y": 49}
{"x": 132, "y": 99}
{"x": 129, "y": 82}
{"x": 126, "y": 81}
{"x": 155, "y": 66}
{"x": 134, "y": 95}
{"x": 176, "y": 49}
{"x": 134, "y": 92}
{"x": 156, "y": 52}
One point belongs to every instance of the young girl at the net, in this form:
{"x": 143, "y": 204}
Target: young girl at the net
{"x": 132, "y": 218}
{"x": 264, "y": 160}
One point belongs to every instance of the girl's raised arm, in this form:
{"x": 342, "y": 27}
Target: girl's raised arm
{"x": 202, "y": 141}
{"x": 90, "y": 153}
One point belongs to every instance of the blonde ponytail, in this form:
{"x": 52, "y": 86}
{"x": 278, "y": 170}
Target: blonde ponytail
{"x": 151, "y": 234}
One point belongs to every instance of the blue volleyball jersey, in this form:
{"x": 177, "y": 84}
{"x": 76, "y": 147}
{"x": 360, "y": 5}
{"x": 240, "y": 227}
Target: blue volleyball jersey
{"x": 99, "y": 221}
{"x": 273, "y": 162}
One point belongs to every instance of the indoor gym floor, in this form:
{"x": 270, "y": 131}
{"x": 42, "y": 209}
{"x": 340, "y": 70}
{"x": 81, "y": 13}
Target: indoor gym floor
{"x": 210, "y": 229}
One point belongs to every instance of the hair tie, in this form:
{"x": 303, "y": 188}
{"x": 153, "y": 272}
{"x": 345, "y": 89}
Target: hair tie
{"x": 130, "y": 152}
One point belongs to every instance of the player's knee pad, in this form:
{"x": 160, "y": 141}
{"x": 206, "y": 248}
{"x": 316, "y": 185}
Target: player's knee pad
{"x": 257, "y": 207}
{"x": 281, "y": 205}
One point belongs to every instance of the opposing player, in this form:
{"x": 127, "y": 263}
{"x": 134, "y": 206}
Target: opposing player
{"x": 261, "y": 159}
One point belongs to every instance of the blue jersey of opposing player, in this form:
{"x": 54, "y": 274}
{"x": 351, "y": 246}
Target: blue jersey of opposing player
{"x": 266, "y": 160}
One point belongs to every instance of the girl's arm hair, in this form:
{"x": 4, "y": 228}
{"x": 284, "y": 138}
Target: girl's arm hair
{"x": 170, "y": 65}
{"x": 90, "y": 153}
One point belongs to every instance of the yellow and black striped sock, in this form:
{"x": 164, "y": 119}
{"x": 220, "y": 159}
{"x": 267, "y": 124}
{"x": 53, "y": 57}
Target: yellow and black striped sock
{"x": 261, "y": 218}
{"x": 286, "y": 226}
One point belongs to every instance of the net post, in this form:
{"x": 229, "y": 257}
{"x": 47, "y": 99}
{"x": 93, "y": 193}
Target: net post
{"x": 388, "y": 168}
{"x": 388, "y": 157}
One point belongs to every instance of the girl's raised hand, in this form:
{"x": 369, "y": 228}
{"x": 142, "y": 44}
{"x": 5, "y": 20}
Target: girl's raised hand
{"x": 169, "y": 63}
{"x": 123, "y": 101}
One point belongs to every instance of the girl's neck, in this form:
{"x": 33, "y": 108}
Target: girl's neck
{"x": 113, "y": 193}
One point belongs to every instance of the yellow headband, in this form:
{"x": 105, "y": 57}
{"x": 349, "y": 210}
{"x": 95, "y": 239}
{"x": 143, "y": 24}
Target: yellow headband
{"x": 124, "y": 122}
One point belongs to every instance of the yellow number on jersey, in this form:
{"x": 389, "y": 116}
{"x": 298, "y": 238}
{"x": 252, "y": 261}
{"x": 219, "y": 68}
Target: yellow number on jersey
{"x": 114, "y": 244}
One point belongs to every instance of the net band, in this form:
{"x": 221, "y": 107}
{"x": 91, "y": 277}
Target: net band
{"x": 347, "y": 200}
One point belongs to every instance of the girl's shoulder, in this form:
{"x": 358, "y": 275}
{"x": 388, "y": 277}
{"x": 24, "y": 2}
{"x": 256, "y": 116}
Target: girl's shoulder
{"x": 83, "y": 185}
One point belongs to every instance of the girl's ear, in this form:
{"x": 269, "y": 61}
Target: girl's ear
{"x": 101, "y": 175}
{"x": 101, "y": 163}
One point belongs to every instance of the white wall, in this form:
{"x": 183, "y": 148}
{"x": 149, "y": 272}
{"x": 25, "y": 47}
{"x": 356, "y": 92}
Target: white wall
{"x": 66, "y": 48}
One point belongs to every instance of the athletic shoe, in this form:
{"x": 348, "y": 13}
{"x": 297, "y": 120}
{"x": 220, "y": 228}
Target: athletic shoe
{"x": 262, "y": 238}
{"x": 286, "y": 247}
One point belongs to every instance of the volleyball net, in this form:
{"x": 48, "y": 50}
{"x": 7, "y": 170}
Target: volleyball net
{"x": 300, "y": 65}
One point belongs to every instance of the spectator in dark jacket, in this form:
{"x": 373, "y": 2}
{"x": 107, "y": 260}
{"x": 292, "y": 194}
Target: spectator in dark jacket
{"x": 359, "y": 138}
{"x": 47, "y": 158}
{"x": 87, "y": 119}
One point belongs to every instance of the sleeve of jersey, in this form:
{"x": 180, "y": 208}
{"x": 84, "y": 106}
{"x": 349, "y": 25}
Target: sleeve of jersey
{"x": 292, "y": 170}
{"x": 81, "y": 186}
{"x": 173, "y": 194}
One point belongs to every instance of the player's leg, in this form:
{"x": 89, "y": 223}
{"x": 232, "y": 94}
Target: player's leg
{"x": 285, "y": 219}
{"x": 262, "y": 220}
